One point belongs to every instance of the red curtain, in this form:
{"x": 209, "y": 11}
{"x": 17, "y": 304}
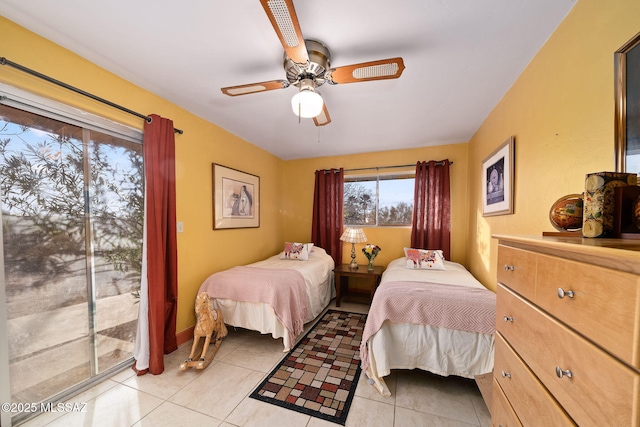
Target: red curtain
{"x": 431, "y": 225}
{"x": 162, "y": 253}
{"x": 326, "y": 226}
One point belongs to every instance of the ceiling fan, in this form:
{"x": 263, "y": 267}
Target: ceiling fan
{"x": 307, "y": 66}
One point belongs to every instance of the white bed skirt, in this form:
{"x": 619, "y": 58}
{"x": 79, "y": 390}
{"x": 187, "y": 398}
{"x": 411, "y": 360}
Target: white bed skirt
{"x": 252, "y": 315}
{"x": 438, "y": 350}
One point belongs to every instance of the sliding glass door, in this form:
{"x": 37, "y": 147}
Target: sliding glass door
{"x": 72, "y": 220}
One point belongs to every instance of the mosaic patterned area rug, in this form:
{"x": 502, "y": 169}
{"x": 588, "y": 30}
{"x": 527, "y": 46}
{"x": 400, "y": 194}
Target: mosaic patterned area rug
{"x": 320, "y": 374}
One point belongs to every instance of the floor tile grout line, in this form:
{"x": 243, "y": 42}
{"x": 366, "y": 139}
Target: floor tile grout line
{"x": 470, "y": 391}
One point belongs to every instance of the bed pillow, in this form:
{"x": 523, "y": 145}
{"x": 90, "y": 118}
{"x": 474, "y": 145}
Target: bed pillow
{"x": 295, "y": 251}
{"x": 424, "y": 259}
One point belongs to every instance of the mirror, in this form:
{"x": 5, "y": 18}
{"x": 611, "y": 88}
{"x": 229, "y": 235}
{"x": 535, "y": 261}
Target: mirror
{"x": 627, "y": 107}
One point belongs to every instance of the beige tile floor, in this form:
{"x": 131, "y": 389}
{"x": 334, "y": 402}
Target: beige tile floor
{"x": 218, "y": 395}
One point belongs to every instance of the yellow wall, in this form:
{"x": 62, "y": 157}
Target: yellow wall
{"x": 561, "y": 111}
{"x": 201, "y": 250}
{"x": 285, "y": 208}
{"x": 298, "y": 186}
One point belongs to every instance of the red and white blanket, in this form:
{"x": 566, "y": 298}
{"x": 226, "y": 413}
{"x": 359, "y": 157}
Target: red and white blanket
{"x": 441, "y": 305}
{"x": 283, "y": 289}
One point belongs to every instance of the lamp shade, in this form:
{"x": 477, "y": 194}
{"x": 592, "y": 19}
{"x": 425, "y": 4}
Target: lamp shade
{"x": 353, "y": 235}
{"x": 307, "y": 103}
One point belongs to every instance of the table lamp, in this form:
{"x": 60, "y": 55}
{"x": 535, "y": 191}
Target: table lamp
{"x": 353, "y": 236}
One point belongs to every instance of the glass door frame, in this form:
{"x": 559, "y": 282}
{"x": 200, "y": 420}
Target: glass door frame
{"x": 27, "y": 101}
{"x": 5, "y": 386}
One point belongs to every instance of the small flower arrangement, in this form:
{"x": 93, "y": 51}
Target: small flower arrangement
{"x": 371, "y": 251}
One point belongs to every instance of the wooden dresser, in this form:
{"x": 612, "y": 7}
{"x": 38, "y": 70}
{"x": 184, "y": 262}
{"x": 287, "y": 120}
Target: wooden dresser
{"x": 568, "y": 332}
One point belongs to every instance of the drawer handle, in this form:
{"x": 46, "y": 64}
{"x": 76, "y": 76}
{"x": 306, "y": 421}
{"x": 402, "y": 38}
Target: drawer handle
{"x": 562, "y": 293}
{"x": 560, "y": 373}
{"x": 508, "y": 318}
{"x": 505, "y": 374}
{"x": 508, "y": 267}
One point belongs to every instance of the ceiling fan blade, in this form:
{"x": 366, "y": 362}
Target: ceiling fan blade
{"x": 375, "y": 70}
{"x": 323, "y": 118}
{"x": 255, "y": 87}
{"x": 283, "y": 17}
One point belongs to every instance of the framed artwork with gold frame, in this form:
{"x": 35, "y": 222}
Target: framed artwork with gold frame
{"x": 236, "y": 198}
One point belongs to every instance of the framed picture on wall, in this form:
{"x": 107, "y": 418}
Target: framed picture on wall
{"x": 497, "y": 180}
{"x": 236, "y": 198}
{"x": 627, "y": 106}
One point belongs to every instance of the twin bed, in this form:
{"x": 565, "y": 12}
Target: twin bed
{"x": 438, "y": 318}
{"x": 427, "y": 313}
{"x": 275, "y": 296}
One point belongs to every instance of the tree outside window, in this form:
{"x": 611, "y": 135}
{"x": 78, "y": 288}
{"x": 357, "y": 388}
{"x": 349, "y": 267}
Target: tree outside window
{"x": 382, "y": 200}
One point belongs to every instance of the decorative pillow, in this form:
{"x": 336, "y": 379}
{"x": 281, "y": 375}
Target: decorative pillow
{"x": 424, "y": 259}
{"x": 295, "y": 251}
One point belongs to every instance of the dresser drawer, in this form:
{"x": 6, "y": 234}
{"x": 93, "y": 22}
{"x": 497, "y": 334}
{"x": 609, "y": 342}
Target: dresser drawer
{"x": 528, "y": 397}
{"x": 517, "y": 270}
{"x": 502, "y": 414}
{"x": 600, "y": 303}
{"x": 594, "y": 388}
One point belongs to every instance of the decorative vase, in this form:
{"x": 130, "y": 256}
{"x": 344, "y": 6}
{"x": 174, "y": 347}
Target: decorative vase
{"x": 599, "y": 208}
{"x": 370, "y": 265}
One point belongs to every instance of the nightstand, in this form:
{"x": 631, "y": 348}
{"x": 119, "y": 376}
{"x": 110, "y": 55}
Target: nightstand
{"x": 343, "y": 273}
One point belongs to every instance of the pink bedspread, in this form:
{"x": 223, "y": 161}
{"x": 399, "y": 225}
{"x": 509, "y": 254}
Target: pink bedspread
{"x": 445, "y": 306}
{"x": 284, "y": 290}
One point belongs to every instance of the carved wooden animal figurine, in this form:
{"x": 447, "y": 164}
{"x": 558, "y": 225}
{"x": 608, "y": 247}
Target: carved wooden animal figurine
{"x": 209, "y": 324}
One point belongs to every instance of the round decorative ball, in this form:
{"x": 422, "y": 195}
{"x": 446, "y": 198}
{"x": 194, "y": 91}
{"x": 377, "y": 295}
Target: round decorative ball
{"x": 566, "y": 213}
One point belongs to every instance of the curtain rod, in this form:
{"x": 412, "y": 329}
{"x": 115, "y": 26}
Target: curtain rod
{"x": 390, "y": 167}
{"x": 5, "y": 61}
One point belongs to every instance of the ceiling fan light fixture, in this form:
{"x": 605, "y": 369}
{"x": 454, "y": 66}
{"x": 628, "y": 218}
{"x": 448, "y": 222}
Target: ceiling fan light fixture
{"x": 307, "y": 103}
{"x": 307, "y": 65}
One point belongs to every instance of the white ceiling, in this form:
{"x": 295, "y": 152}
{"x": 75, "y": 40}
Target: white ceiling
{"x": 461, "y": 56}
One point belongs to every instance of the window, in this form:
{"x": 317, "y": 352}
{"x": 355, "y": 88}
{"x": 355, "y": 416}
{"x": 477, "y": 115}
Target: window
{"x": 381, "y": 200}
